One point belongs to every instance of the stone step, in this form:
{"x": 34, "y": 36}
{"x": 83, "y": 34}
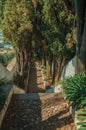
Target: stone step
{"x": 38, "y": 69}
{"x": 39, "y": 74}
{"x": 41, "y": 86}
{"x": 39, "y": 79}
{"x": 36, "y": 84}
{"x": 40, "y": 83}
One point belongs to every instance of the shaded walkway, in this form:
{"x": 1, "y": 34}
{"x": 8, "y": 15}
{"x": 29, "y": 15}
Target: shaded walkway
{"x": 38, "y": 112}
{"x": 35, "y": 81}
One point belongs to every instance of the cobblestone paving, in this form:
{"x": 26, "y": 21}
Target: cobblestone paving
{"x": 37, "y": 112}
{"x": 35, "y": 81}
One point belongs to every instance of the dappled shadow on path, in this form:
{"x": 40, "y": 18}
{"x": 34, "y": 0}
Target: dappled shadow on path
{"x": 35, "y": 80}
{"x": 23, "y": 112}
{"x": 37, "y": 111}
{"x": 60, "y": 121}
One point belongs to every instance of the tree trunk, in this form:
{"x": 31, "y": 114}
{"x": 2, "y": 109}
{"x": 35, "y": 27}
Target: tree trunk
{"x": 81, "y": 35}
{"x": 23, "y": 67}
{"x": 48, "y": 68}
{"x": 44, "y": 58}
{"x": 53, "y": 70}
{"x": 60, "y": 65}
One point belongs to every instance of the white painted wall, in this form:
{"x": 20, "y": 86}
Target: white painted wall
{"x": 69, "y": 69}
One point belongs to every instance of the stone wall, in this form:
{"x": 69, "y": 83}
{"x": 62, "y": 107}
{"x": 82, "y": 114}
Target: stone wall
{"x": 5, "y": 73}
{"x": 8, "y": 91}
{"x": 17, "y": 90}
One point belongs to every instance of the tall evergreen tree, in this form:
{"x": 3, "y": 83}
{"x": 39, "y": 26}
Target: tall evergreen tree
{"x": 17, "y": 28}
{"x": 60, "y": 35}
{"x": 41, "y": 28}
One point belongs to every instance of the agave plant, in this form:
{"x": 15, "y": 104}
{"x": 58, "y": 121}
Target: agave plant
{"x": 82, "y": 119}
{"x": 75, "y": 90}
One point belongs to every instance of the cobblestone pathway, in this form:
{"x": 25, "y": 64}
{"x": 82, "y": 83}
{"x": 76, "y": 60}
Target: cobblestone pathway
{"x": 35, "y": 80}
{"x": 37, "y": 112}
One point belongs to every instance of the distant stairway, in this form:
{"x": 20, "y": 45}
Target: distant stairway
{"x": 36, "y": 84}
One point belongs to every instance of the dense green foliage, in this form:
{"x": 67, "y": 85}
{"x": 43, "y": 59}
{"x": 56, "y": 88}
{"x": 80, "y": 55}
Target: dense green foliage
{"x": 2, "y": 3}
{"x": 43, "y": 30}
{"x": 3, "y": 81}
{"x": 16, "y": 23}
{"x": 59, "y": 34}
{"x": 6, "y": 58}
{"x": 75, "y": 90}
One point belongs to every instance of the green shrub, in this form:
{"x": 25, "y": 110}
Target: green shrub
{"x": 3, "y": 81}
{"x": 6, "y": 58}
{"x": 17, "y": 80}
{"x": 75, "y": 90}
{"x": 2, "y": 94}
{"x": 1, "y": 45}
{"x": 3, "y": 60}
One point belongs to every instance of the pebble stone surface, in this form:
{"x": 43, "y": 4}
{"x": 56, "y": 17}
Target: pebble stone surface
{"x": 41, "y": 112}
{"x": 37, "y": 111}
{"x": 36, "y": 84}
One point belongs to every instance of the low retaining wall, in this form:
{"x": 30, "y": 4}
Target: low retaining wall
{"x": 10, "y": 90}
{"x": 8, "y": 99}
{"x": 17, "y": 90}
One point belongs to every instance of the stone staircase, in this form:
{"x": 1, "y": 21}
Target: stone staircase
{"x": 35, "y": 81}
{"x": 38, "y": 111}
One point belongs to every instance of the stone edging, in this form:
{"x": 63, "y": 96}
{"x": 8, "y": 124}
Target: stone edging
{"x": 17, "y": 90}
{"x": 14, "y": 90}
{"x": 3, "y": 111}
